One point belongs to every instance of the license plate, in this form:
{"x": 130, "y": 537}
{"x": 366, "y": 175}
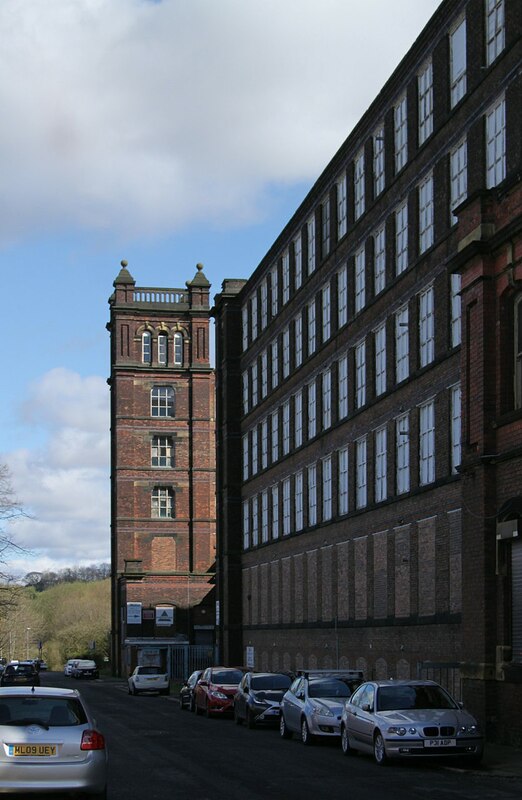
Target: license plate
{"x": 440, "y": 743}
{"x": 32, "y": 749}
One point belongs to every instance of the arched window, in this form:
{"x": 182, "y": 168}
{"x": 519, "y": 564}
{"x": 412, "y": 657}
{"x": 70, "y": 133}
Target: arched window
{"x": 517, "y": 352}
{"x": 146, "y": 347}
{"x": 162, "y": 401}
{"x": 178, "y": 349}
{"x": 162, "y": 503}
{"x": 162, "y": 349}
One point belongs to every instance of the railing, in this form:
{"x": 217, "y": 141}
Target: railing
{"x": 170, "y": 296}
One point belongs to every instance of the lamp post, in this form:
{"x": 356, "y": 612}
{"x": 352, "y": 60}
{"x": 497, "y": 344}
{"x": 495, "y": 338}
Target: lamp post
{"x": 27, "y": 643}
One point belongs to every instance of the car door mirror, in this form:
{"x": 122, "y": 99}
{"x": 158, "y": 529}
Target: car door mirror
{"x": 367, "y": 707}
{"x": 246, "y": 690}
{"x": 203, "y": 683}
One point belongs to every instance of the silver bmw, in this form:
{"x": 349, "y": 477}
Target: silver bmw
{"x": 49, "y": 743}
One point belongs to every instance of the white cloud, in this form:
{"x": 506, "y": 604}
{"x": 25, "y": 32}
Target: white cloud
{"x": 142, "y": 116}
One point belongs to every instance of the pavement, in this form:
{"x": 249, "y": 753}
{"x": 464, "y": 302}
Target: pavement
{"x": 502, "y": 760}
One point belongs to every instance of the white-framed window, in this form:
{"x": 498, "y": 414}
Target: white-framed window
{"x": 298, "y": 501}
{"x": 379, "y": 260}
{"x": 360, "y": 374}
{"x": 275, "y": 511}
{"x": 456, "y": 335}
{"x": 312, "y": 410}
{"x": 401, "y": 238}
{"x": 264, "y": 515}
{"x": 361, "y": 473}
{"x": 246, "y": 524}
{"x": 264, "y": 304}
{"x": 358, "y": 185}
{"x": 253, "y": 317}
{"x": 342, "y": 296}
{"x": 402, "y": 453}
{"x": 161, "y": 451}
{"x": 379, "y": 338}
{"x": 327, "y": 488}
{"x": 426, "y": 327}
{"x": 285, "y": 269}
{"x": 264, "y": 374}
{"x": 245, "y": 383}
{"x": 402, "y": 344}
{"x": 298, "y": 340}
{"x": 458, "y": 79}
{"x": 517, "y": 350}
{"x": 456, "y": 418}
{"x": 425, "y": 95}
{"x": 310, "y": 237}
{"x": 275, "y": 435}
{"x": 275, "y": 363}
{"x": 496, "y": 144}
{"x": 378, "y": 160}
{"x": 381, "y": 473}
{"x": 264, "y": 444}
{"x": 274, "y": 291}
{"x": 255, "y": 521}
{"x": 342, "y": 387}
{"x": 495, "y": 32}
{"x": 343, "y": 498}
{"x": 286, "y": 352}
{"x": 426, "y": 223}
{"x": 244, "y": 325}
{"x": 401, "y": 133}
{"x": 427, "y": 443}
{"x": 286, "y": 427}
{"x": 298, "y": 261}
{"x": 312, "y": 494}
{"x": 255, "y": 451}
{"x": 146, "y": 347}
{"x": 326, "y": 313}
{"x": 178, "y": 349}
{"x": 342, "y": 208}
{"x": 162, "y": 503}
{"x": 327, "y": 398}
{"x": 458, "y": 175}
{"x": 298, "y": 418}
{"x": 325, "y": 227}
{"x": 254, "y": 383}
{"x": 312, "y": 332}
{"x": 162, "y": 401}
{"x": 360, "y": 279}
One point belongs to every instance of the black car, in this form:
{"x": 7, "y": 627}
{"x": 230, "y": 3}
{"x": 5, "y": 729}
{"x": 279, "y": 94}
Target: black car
{"x": 22, "y": 673}
{"x": 186, "y": 692}
{"x": 259, "y": 696}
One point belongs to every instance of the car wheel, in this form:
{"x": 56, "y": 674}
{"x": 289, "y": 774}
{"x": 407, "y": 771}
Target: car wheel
{"x": 130, "y": 691}
{"x": 306, "y": 736}
{"x": 283, "y": 730}
{"x": 192, "y": 707}
{"x": 207, "y": 711}
{"x": 237, "y": 718}
{"x": 250, "y": 720}
{"x": 345, "y": 743}
{"x": 181, "y": 704}
{"x": 379, "y": 750}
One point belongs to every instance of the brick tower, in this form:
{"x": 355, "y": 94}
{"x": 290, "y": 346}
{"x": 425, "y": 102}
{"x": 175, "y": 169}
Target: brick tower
{"x": 162, "y": 474}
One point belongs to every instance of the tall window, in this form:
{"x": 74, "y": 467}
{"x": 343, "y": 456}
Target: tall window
{"x": 455, "y": 310}
{"x": 379, "y": 337}
{"x": 456, "y": 414}
{"x": 264, "y": 373}
{"x": 255, "y": 451}
{"x": 358, "y": 185}
{"x": 310, "y": 234}
{"x": 427, "y": 443}
{"x": 245, "y": 383}
{"x": 360, "y": 374}
{"x": 312, "y": 410}
{"x": 244, "y": 325}
{"x": 458, "y": 175}
{"x": 253, "y": 316}
{"x": 255, "y": 521}
{"x": 298, "y": 261}
{"x": 343, "y": 387}
{"x": 298, "y": 340}
{"x": 275, "y": 436}
{"x": 327, "y": 399}
{"x": 343, "y": 481}
{"x": 286, "y": 352}
{"x": 246, "y": 524}
{"x": 264, "y": 516}
{"x": 402, "y": 453}
{"x": 275, "y": 512}
{"x": 360, "y": 279}
{"x": 298, "y": 418}
{"x": 161, "y": 451}
{"x": 162, "y": 503}
{"x": 381, "y": 474}
{"x": 325, "y": 310}
{"x": 264, "y": 444}
{"x": 298, "y": 501}
{"x": 178, "y": 349}
{"x": 401, "y": 238}
{"x": 425, "y": 95}
{"x": 342, "y": 209}
{"x": 401, "y": 134}
{"x": 274, "y": 291}
{"x": 275, "y": 363}
{"x": 458, "y": 62}
{"x": 146, "y": 347}
{"x": 162, "y": 401}
{"x": 426, "y": 214}
{"x": 286, "y": 427}
{"x": 378, "y": 161}
{"x": 342, "y": 296}
{"x": 327, "y": 488}
{"x": 312, "y": 336}
{"x": 495, "y": 35}
{"x": 496, "y": 144}
{"x": 312, "y": 494}
{"x": 517, "y": 348}
{"x": 402, "y": 345}
{"x": 264, "y": 304}
{"x": 162, "y": 349}
{"x": 379, "y": 262}
{"x": 253, "y": 383}
{"x": 361, "y": 470}
{"x": 285, "y": 268}
{"x": 426, "y": 327}
{"x": 246, "y": 456}
{"x": 325, "y": 227}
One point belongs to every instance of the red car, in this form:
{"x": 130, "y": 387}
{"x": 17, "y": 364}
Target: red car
{"x": 214, "y": 692}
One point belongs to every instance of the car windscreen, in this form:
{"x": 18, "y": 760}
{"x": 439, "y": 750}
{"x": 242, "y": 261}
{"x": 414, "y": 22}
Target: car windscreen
{"x": 264, "y": 682}
{"x": 231, "y": 676}
{"x": 329, "y": 688}
{"x": 46, "y": 711}
{"x": 150, "y": 671}
{"x": 395, "y": 698}
{"x": 19, "y": 669}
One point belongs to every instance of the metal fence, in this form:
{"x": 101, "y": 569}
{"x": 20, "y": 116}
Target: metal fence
{"x": 447, "y": 673}
{"x": 185, "y": 658}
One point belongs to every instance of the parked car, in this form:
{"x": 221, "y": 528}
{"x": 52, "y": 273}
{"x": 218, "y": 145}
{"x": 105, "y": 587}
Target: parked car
{"x": 40, "y": 664}
{"x": 313, "y": 704}
{"x": 259, "y": 696}
{"x": 395, "y": 719}
{"x": 49, "y": 743}
{"x": 85, "y": 668}
{"x": 67, "y": 670}
{"x": 148, "y": 679}
{"x": 20, "y": 673}
{"x": 215, "y": 690}
{"x": 186, "y": 692}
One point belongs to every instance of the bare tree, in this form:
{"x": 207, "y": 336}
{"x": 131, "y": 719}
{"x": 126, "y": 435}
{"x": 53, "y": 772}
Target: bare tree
{"x": 10, "y": 509}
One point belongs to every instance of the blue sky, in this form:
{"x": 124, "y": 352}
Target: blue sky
{"x": 166, "y": 133}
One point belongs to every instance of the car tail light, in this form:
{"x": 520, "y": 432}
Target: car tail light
{"x": 92, "y": 740}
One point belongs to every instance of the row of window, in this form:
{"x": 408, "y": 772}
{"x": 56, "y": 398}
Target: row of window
{"x": 332, "y": 487}
{"x": 300, "y": 339}
{"x": 166, "y": 353}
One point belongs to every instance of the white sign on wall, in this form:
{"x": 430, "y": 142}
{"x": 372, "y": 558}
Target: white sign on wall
{"x": 133, "y": 613}
{"x": 249, "y": 657}
{"x": 164, "y": 615}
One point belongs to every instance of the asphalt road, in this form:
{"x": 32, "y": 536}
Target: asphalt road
{"x": 157, "y": 751}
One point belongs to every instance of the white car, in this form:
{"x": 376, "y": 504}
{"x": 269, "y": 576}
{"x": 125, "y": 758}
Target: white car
{"x": 68, "y": 668}
{"x": 149, "y": 679}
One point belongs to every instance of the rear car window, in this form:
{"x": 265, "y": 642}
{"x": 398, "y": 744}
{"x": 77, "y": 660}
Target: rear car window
{"x": 47, "y": 711}
{"x": 150, "y": 671}
{"x": 227, "y": 676}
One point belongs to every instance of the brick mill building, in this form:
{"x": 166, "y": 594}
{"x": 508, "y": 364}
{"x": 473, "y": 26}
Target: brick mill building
{"x": 162, "y": 474}
{"x": 369, "y": 372}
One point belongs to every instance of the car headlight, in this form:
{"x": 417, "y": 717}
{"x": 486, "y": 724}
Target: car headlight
{"x": 321, "y": 710}
{"x": 469, "y": 729}
{"x": 397, "y": 730}
{"x": 218, "y": 695}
